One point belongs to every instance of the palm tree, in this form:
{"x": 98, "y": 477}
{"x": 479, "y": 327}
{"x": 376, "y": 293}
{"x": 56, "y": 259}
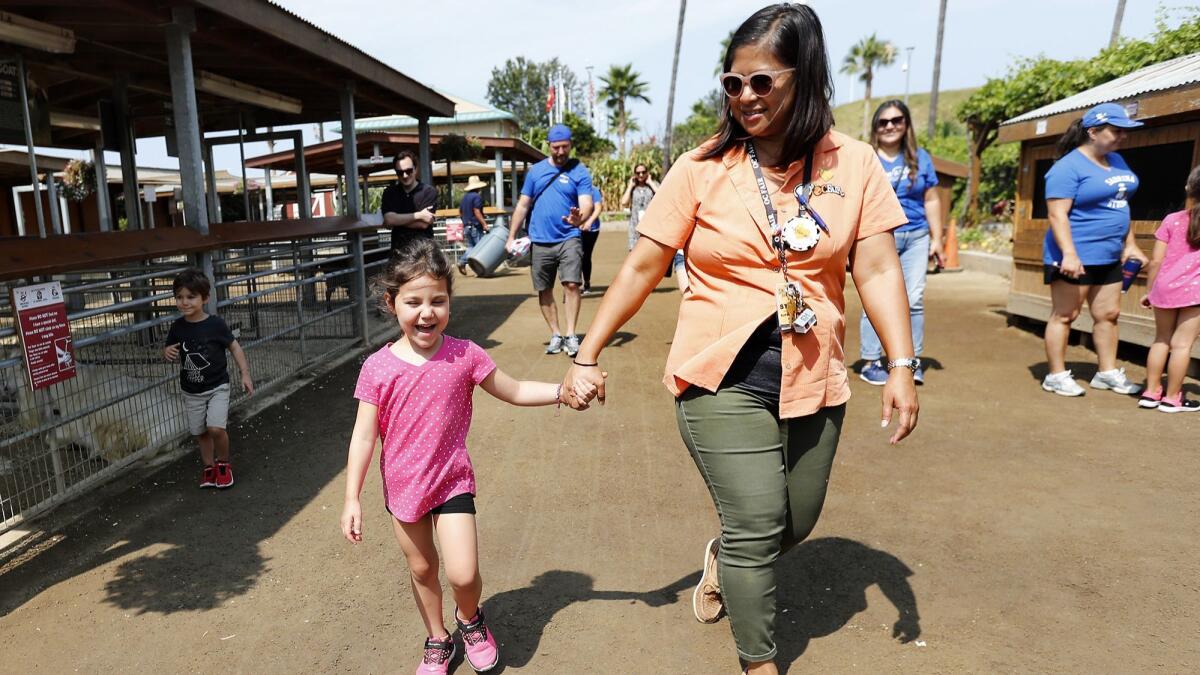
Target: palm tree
{"x": 620, "y": 84}
{"x": 674, "y": 74}
{"x": 864, "y": 58}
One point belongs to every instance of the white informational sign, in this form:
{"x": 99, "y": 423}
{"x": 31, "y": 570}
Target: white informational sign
{"x": 1040, "y": 127}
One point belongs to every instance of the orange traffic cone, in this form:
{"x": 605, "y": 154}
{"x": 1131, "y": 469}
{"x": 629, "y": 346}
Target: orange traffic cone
{"x": 951, "y": 263}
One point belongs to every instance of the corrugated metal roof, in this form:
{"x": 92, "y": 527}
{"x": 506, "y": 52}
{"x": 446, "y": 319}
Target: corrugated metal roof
{"x": 1158, "y": 77}
{"x": 465, "y": 112}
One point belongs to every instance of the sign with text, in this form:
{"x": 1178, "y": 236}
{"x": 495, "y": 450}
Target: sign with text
{"x": 45, "y": 333}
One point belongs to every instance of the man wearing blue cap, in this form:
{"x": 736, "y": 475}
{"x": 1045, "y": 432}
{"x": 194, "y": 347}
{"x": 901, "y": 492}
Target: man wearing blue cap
{"x": 1087, "y": 202}
{"x": 557, "y": 197}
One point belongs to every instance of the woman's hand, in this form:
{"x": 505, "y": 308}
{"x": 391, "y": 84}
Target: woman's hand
{"x": 900, "y": 393}
{"x": 1135, "y": 252}
{"x": 352, "y": 521}
{"x": 937, "y": 251}
{"x": 582, "y": 384}
{"x": 1072, "y": 266}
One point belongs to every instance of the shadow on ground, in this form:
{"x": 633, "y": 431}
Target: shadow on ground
{"x": 822, "y": 585}
{"x": 181, "y": 548}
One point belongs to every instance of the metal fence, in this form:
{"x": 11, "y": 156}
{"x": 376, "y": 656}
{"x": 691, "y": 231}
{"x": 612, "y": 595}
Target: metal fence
{"x": 290, "y": 303}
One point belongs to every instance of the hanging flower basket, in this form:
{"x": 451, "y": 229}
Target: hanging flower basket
{"x": 78, "y": 180}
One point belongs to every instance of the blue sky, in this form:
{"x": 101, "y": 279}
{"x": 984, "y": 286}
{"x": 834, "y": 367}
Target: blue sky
{"x": 454, "y": 47}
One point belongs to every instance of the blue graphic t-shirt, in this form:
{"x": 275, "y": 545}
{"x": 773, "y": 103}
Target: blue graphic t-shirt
{"x": 1099, "y": 213}
{"x": 911, "y": 190}
{"x": 546, "y": 224}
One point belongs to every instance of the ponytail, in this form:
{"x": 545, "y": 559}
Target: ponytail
{"x": 1074, "y": 137}
{"x": 1193, "y": 195}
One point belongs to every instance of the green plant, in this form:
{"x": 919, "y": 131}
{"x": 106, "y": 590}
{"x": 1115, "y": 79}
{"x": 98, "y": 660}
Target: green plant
{"x": 864, "y": 58}
{"x": 78, "y": 179}
{"x": 611, "y": 175}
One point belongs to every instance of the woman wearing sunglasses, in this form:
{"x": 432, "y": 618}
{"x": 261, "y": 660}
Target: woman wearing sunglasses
{"x": 637, "y": 198}
{"x": 769, "y": 211}
{"x": 911, "y": 174}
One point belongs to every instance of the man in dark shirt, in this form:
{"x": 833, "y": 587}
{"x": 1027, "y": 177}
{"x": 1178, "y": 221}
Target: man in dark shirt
{"x": 408, "y": 204}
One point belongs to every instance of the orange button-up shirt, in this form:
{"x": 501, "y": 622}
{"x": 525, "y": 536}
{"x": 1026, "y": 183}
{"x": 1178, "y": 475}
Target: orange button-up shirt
{"x": 713, "y": 211}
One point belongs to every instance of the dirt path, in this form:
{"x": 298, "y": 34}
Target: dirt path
{"x": 1017, "y": 531}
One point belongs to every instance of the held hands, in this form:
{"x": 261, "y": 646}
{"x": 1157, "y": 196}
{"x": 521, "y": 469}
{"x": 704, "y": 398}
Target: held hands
{"x": 171, "y": 353}
{"x": 582, "y": 384}
{"x": 900, "y": 393}
{"x": 352, "y": 521}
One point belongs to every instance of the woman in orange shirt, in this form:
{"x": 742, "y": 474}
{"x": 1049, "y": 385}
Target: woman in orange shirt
{"x": 768, "y": 212}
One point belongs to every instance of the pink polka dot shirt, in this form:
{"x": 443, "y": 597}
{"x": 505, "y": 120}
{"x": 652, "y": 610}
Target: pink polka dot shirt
{"x": 1178, "y": 280}
{"x": 424, "y": 417}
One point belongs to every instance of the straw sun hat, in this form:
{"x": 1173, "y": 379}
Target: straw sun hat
{"x": 473, "y": 183}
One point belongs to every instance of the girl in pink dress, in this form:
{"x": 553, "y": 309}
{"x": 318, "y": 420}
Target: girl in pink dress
{"x": 415, "y": 395}
{"x": 1174, "y": 282}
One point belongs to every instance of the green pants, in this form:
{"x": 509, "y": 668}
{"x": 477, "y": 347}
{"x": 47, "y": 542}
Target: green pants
{"x": 767, "y": 478}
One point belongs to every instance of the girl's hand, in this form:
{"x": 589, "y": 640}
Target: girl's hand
{"x": 900, "y": 393}
{"x": 1072, "y": 266}
{"x": 1145, "y": 301}
{"x": 171, "y": 353}
{"x": 352, "y": 522}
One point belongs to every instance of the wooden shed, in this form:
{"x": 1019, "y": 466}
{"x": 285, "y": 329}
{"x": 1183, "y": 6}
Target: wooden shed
{"x": 1166, "y": 96}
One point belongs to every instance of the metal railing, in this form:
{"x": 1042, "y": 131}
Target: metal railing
{"x": 290, "y": 303}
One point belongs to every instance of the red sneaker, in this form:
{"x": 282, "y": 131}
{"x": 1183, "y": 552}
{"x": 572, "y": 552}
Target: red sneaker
{"x": 224, "y": 472}
{"x": 209, "y": 477}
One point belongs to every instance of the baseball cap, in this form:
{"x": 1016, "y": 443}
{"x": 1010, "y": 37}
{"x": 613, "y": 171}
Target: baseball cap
{"x": 558, "y": 132}
{"x": 1109, "y": 113}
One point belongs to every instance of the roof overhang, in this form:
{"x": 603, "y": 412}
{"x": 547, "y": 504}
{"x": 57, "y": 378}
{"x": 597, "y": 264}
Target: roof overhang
{"x": 283, "y": 69}
{"x": 327, "y": 157}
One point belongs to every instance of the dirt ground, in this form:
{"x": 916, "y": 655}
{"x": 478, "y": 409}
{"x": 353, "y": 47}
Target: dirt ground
{"x": 1015, "y": 531}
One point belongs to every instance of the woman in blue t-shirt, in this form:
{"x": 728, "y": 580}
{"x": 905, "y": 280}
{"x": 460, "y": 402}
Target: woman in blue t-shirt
{"x": 911, "y": 173}
{"x": 1087, "y": 199}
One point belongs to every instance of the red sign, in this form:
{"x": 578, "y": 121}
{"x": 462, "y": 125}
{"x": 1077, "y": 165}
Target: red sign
{"x": 45, "y": 334}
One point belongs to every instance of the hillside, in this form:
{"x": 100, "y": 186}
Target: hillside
{"x": 848, "y": 117}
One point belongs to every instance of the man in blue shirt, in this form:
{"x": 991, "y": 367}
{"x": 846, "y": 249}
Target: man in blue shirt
{"x": 557, "y": 197}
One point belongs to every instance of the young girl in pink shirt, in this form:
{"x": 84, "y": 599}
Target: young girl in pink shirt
{"x": 415, "y": 395}
{"x": 1174, "y": 282}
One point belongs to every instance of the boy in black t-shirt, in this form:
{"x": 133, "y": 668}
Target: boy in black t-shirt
{"x": 198, "y": 341}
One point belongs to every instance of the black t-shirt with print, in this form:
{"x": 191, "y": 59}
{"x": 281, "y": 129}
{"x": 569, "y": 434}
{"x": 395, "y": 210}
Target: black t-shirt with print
{"x": 202, "y": 348}
{"x": 398, "y": 200}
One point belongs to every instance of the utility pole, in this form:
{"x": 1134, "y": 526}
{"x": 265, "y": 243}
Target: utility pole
{"x": 671, "y": 99}
{"x": 937, "y": 69}
{"x": 907, "y": 71}
{"x": 1116, "y": 31}
{"x": 591, "y": 99}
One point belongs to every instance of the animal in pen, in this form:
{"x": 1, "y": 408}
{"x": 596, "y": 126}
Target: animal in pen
{"x": 107, "y": 415}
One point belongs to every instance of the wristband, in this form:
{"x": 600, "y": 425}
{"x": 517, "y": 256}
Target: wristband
{"x": 558, "y": 397}
{"x": 585, "y": 365}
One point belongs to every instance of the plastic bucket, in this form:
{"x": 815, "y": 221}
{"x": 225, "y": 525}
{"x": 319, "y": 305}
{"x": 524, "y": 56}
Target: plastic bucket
{"x": 486, "y": 256}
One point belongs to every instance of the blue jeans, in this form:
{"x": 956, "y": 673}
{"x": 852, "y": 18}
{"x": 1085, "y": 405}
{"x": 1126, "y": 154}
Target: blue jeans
{"x": 913, "y": 248}
{"x": 471, "y": 236}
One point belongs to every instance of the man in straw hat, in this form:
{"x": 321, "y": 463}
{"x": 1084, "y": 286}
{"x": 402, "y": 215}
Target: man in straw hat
{"x": 470, "y": 209}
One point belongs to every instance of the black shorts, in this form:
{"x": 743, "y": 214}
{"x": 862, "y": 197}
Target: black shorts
{"x": 464, "y": 503}
{"x": 1093, "y": 275}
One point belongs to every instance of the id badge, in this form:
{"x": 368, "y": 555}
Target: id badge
{"x": 805, "y": 319}
{"x": 787, "y": 302}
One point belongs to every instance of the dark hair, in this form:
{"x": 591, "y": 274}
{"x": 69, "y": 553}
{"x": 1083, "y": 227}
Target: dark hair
{"x": 419, "y": 257}
{"x": 404, "y": 154}
{"x": 192, "y": 279}
{"x": 908, "y": 144}
{"x": 1193, "y": 193}
{"x": 793, "y": 33}
{"x": 643, "y": 164}
{"x": 1072, "y": 138}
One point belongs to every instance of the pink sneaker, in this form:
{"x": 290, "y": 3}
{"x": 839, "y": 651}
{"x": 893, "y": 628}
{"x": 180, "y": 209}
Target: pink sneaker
{"x": 437, "y": 658}
{"x": 478, "y": 642}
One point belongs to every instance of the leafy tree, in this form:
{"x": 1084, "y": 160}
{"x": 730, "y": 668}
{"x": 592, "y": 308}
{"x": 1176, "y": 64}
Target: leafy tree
{"x": 520, "y": 87}
{"x": 864, "y": 58}
{"x": 1034, "y": 82}
{"x": 621, "y": 84}
{"x": 700, "y": 125}
{"x": 584, "y": 139}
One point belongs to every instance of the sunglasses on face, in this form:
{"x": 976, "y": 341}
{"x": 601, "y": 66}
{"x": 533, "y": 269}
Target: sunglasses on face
{"x": 897, "y": 122}
{"x": 761, "y": 82}
{"x": 407, "y": 172}
{"x": 639, "y": 173}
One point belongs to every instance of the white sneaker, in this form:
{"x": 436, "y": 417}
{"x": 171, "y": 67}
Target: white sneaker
{"x": 1063, "y": 384}
{"x": 1116, "y": 381}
